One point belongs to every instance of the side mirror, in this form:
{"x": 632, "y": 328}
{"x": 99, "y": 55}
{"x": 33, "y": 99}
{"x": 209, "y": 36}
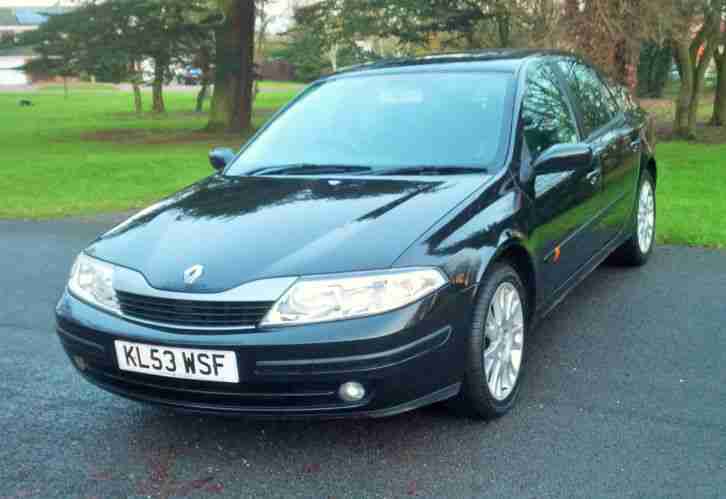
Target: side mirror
{"x": 219, "y": 157}
{"x": 562, "y": 158}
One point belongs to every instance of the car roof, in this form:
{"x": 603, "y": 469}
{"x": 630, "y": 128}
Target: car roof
{"x": 483, "y": 60}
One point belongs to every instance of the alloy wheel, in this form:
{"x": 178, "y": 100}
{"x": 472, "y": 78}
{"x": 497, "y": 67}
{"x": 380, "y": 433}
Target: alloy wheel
{"x": 646, "y": 217}
{"x": 504, "y": 341}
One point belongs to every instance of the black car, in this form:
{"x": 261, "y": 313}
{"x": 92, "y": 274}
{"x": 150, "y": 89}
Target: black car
{"x": 388, "y": 240}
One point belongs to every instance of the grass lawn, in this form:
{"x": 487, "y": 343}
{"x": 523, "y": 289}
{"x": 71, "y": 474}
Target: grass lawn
{"x": 690, "y": 209}
{"x": 691, "y": 205}
{"x": 77, "y": 86}
{"x": 663, "y": 110}
{"x": 89, "y": 154}
{"x": 264, "y": 86}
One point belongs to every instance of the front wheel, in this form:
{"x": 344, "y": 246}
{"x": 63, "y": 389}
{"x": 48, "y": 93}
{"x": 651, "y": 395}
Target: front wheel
{"x": 637, "y": 249}
{"x": 495, "y": 350}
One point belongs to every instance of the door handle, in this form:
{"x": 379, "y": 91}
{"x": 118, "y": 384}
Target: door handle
{"x": 594, "y": 177}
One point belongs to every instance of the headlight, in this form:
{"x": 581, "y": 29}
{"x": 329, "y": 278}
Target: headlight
{"x": 321, "y": 299}
{"x": 92, "y": 280}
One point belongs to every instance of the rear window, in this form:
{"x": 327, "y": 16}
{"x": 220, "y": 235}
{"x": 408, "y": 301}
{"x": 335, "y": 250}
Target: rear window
{"x": 390, "y": 121}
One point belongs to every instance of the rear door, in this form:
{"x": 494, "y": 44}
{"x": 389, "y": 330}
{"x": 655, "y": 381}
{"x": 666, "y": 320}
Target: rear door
{"x": 622, "y": 184}
{"x": 601, "y": 126}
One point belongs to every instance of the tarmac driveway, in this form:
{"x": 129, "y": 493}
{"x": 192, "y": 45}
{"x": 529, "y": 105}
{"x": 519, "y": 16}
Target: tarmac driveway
{"x": 625, "y": 396}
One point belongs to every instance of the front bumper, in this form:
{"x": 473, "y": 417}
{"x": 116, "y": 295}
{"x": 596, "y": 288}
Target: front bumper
{"x": 405, "y": 359}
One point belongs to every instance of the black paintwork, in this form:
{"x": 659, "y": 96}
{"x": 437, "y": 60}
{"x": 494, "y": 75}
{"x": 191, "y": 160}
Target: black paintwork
{"x": 249, "y": 228}
{"x": 575, "y": 198}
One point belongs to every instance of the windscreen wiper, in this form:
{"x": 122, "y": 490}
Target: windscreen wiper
{"x": 432, "y": 170}
{"x": 309, "y": 169}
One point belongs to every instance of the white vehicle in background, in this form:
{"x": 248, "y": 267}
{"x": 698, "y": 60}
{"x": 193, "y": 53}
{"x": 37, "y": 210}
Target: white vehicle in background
{"x": 9, "y": 72}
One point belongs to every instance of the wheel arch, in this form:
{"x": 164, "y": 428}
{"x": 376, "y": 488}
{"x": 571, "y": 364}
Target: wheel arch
{"x": 652, "y": 168}
{"x": 515, "y": 253}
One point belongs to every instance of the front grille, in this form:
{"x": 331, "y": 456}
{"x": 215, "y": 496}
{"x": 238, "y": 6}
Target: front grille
{"x": 193, "y": 313}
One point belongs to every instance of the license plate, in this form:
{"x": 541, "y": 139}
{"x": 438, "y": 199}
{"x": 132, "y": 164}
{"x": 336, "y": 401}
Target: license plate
{"x": 182, "y": 363}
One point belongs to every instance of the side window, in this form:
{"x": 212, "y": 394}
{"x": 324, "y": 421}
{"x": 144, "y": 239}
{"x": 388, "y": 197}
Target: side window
{"x": 625, "y": 99}
{"x": 546, "y": 116}
{"x": 612, "y": 99}
{"x": 596, "y": 102}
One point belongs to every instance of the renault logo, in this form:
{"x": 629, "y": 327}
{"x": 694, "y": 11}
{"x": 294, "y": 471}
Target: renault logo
{"x": 192, "y": 274}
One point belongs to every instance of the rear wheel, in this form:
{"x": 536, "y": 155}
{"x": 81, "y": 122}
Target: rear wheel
{"x": 637, "y": 249}
{"x": 495, "y": 355}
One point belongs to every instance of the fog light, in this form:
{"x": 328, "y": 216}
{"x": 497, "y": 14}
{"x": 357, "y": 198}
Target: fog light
{"x": 351, "y": 391}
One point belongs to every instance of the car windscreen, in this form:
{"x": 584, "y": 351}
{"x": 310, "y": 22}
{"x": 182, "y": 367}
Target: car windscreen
{"x": 452, "y": 119}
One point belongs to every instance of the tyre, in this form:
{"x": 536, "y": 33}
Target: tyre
{"x": 496, "y": 346}
{"x": 637, "y": 250}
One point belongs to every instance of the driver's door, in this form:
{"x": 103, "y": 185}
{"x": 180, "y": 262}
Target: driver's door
{"x": 565, "y": 199}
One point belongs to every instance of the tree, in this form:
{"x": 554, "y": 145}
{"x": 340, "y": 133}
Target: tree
{"x": 654, "y": 69}
{"x": 86, "y": 40}
{"x": 305, "y": 50}
{"x": 693, "y": 55}
{"x": 61, "y": 48}
{"x": 611, "y": 33}
{"x": 122, "y": 34}
{"x": 263, "y": 22}
{"x": 117, "y": 40}
{"x": 462, "y": 24}
{"x": 330, "y": 22}
{"x": 324, "y": 39}
{"x": 231, "y": 108}
{"x": 131, "y": 32}
{"x": 203, "y": 61}
{"x": 202, "y": 46}
{"x": 719, "y": 104}
{"x": 449, "y": 23}
{"x": 607, "y": 30}
{"x": 167, "y": 30}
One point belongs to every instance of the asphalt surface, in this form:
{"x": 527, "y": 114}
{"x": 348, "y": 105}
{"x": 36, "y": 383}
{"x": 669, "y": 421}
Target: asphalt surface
{"x": 625, "y": 397}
